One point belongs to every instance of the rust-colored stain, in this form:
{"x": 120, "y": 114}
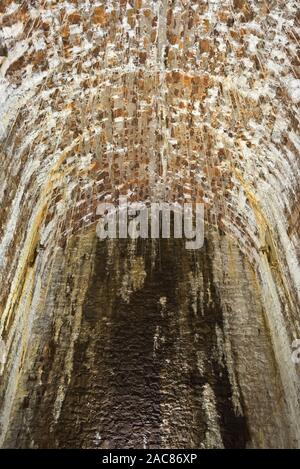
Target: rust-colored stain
{"x": 145, "y": 344}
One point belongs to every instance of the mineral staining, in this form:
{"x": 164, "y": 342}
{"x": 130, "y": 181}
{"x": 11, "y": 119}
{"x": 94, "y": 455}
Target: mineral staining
{"x": 107, "y": 344}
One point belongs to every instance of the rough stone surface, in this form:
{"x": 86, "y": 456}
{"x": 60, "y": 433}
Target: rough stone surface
{"x": 159, "y": 101}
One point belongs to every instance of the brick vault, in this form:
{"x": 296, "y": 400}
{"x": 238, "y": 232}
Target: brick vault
{"x": 122, "y": 343}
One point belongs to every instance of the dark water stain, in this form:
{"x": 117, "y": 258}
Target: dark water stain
{"x": 135, "y": 380}
{"x": 124, "y": 385}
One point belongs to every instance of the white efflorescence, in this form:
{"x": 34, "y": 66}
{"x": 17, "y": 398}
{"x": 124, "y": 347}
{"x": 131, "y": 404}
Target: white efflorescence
{"x": 195, "y": 101}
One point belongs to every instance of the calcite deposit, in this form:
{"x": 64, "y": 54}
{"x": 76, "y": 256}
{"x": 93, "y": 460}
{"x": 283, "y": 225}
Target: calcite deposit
{"x": 142, "y": 343}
